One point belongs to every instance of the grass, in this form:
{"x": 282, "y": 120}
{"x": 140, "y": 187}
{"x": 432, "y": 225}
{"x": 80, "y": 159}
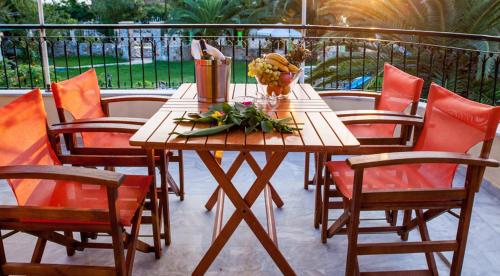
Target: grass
{"x": 171, "y": 73}
{"x": 84, "y": 60}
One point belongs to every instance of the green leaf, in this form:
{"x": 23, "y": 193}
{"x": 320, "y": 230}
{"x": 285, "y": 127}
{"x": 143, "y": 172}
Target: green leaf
{"x": 267, "y": 126}
{"x": 198, "y": 120}
{"x": 240, "y": 107}
{"x": 216, "y": 107}
{"x": 235, "y": 119}
{"x": 226, "y": 108}
{"x": 283, "y": 120}
{"x": 194, "y": 115}
{"x": 204, "y": 131}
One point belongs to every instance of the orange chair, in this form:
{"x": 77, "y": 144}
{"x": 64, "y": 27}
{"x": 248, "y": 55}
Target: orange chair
{"x": 53, "y": 198}
{"x": 80, "y": 96}
{"x": 419, "y": 180}
{"x": 400, "y": 92}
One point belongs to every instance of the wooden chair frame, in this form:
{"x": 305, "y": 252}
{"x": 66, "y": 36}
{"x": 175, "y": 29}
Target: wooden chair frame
{"x": 322, "y": 201}
{"x": 11, "y": 217}
{"x": 349, "y": 117}
{"x": 71, "y": 143}
{"x": 433, "y": 200}
{"x": 158, "y": 212}
{"x": 122, "y": 157}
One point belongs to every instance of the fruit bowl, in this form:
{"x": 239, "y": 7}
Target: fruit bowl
{"x": 284, "y": 87}
{"x": 275, "y": 75}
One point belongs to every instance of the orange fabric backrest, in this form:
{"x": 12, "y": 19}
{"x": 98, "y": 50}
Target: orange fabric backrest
{"x": 399, "y": 89}
{"x": 80, "y": 96}
{"x": 24, "y": 140}
{"x": 454, "y": 124}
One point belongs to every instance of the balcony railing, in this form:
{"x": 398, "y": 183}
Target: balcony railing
{"x": 157, "y": 56}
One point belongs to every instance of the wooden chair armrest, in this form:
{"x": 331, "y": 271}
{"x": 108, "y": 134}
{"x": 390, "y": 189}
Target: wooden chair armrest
{"x": 348, "y": 93}
{"x": 108, "y": 120}
{"x": 346, "y": 113}
{"x": 141, "y": 98}
{"x": 415, "y": 157}
{"x": 78, "y": 174}
{"x": 93, "y": 127}
{"x": 382, "y": 119}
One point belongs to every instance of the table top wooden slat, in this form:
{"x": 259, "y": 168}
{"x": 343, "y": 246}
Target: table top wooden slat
{"x": 327, "y": 136}
{"x": 239, "y": 91}
{"x": 320, "y": 129}
{"x": 181, "y": 90}
{"x": 251, "y": 90}
{"x": 162, "y": 133}
{"x": 273, "y": 138}
{"x": 308, "y": 133}
{"x": 291, "y": 139}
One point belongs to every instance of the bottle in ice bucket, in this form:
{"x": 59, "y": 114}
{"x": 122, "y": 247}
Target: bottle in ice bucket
{"x": 213, "y": 70}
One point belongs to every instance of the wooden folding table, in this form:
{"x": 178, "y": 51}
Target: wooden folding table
{"x": 320, "y": 132}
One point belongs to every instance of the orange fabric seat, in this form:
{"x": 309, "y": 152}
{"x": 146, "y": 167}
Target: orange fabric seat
{"x": 388, "y": 178}
{"x": 399, "y": 91}
{"x": 64, "y": 194}
{"x": 371, "y": 130}
{"x": 81, "y": 97}
{"x": 451, "y": 124}
{"x": 107, "y": 140}
{"x": 24, "y": 141}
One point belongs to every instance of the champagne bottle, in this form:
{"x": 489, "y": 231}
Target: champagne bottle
{"x": 204, "y": 52}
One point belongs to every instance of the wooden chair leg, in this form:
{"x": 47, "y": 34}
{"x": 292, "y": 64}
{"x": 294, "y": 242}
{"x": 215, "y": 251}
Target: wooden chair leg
{"x": 69, "y": 250}
{"x": 116, "y": 231}
{"x": 394, "y": 217}
{"x": 424, "y": 235}
{"x": 306, "y": 170}
{"x": 38, "y": 251}
{"x": 324, "y": 208}
{"x": 181, "y": 175}
{"x": 406, "y": 220}
{"x": 320, "y": 158}
{"x": 164, "y": 204}
{"x": 353, "y": 225}
{"x": 462, "y": 233}
{"x": 3, "y": 258}
{"x": 134, "y": 233}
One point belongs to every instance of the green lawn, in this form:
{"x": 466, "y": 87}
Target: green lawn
{"x": 84, "y": 60}
{"x": 173, "y": 73}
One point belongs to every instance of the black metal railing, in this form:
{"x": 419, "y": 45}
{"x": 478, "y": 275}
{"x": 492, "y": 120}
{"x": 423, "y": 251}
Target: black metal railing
{"x": 152, "y": 56}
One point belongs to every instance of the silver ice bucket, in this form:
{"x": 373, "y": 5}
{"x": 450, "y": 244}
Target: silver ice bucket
{"x": 212, "y": 79}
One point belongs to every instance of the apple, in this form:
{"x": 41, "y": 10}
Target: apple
{"x": 276, "y": 89}
{"x": 286, "y": 90}
{"x": 285, "y": 78}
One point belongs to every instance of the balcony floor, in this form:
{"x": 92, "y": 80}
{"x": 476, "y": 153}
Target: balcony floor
{"x": 298, "y": 240}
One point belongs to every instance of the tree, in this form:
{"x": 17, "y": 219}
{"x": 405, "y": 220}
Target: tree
{"x": 462, "y": 16}
{"x": 80, "y": 11}
{"x": 114, "y": 11}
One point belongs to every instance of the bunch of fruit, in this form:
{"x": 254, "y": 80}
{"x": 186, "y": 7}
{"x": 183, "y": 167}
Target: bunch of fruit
{"x": 275, "y": 71}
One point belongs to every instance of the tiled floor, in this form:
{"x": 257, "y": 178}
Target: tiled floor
{"x": 298, "y": 240}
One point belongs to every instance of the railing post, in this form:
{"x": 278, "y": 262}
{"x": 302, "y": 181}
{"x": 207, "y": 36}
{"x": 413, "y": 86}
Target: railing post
{"x": 43, "y": 45}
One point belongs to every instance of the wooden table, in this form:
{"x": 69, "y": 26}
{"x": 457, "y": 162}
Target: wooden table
{"x": 321, "y": 132}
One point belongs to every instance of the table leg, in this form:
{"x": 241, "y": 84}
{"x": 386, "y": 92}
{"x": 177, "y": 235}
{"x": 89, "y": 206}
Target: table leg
{"x": 164, "y": 206}
{"x": 318, "y": 180}
{"x": 256, "y": 169}
{"x": 154, "y": 203}
{"x": 243, "y": 212}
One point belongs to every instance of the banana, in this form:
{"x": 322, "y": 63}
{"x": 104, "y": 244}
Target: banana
{"x": 294, "y": 69}
{"x": 280, "y": 66}
{"x": 279, "y": 58}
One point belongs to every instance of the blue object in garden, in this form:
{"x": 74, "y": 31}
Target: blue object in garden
{"x": 359, "y": 82}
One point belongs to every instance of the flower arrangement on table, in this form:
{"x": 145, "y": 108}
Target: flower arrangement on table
{"x": 225, "y": 116}
{"x": 276, "y": 73}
